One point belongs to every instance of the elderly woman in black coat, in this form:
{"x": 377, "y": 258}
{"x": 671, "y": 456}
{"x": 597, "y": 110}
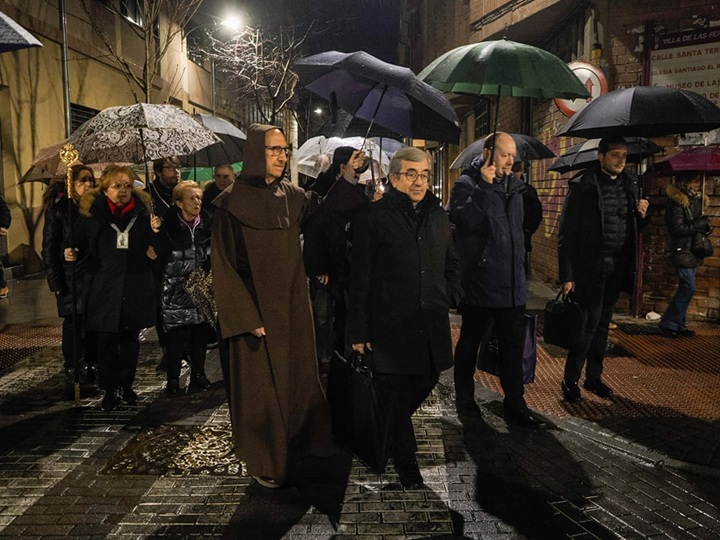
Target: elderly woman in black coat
{"x": 185, "y": 246}
{"x": 118, "y": 231}
{"x": 405, "y": 277}
{"x": 61, "y": 213}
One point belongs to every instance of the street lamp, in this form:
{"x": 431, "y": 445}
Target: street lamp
{"x": 233, "y": 23}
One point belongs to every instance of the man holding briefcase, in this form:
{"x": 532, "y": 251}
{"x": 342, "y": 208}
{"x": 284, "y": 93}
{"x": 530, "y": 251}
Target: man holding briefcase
{"x": 601, "y": 218}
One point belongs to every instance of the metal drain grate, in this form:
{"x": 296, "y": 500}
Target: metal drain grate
{"x": 632, "y": 329}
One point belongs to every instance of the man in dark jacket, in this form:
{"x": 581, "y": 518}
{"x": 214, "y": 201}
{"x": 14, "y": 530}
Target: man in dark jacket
{"x": 5, "y": 219}
{"x": 167, "y": 175}
{"x": 404, "y": 279}
{"x": 486, "y": 207}
{"x": 223, "y": 176}
{"x": 597, "y": 241}
{"x": 326, "y": 249}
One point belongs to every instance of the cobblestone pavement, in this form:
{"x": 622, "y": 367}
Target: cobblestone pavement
{"x": 644, "y": 465}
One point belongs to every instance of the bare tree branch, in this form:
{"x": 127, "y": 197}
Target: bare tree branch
{"x": 155, "y": 37}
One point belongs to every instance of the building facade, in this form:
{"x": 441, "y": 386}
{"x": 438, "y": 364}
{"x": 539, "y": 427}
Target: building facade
{"x": 663, "y": 42}
{"x": 32, "y": 88}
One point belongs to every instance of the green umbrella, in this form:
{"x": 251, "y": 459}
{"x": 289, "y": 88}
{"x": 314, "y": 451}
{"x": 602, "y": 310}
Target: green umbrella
{"x": 503, "y": 68}
{"x": 205, "y": 174}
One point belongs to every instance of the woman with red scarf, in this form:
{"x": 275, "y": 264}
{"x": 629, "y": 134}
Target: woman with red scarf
{"x": 118, "y": 230}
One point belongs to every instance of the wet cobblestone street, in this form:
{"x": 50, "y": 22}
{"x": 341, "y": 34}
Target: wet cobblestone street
{"x": 644, "y": 465}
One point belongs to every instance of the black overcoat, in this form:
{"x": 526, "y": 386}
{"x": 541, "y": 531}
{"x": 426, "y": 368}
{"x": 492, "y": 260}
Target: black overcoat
{"x": 580, "y": 238}
{"x": 56, "y": 236}
{"x": 404, "y": 277}
{"x": 120, "y": 293}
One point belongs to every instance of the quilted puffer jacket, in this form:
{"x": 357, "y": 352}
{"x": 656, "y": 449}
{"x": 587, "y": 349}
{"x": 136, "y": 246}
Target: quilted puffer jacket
{"x": 184, "y": 247}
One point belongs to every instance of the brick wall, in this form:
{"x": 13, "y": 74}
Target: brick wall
{"x": 624, "y": 70}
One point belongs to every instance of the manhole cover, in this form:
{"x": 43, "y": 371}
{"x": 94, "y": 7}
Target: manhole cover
{"x": 178, "y": 450}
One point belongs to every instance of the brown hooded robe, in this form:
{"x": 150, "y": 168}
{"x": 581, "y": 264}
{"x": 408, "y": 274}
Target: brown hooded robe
{"x": 277, "y": 405}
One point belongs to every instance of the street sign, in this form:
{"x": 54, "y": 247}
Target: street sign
{"x": 593, "y": 79}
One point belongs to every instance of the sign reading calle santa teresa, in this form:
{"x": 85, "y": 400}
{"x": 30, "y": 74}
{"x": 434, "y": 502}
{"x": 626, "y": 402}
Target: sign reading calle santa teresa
{"x": 688, "y": 60}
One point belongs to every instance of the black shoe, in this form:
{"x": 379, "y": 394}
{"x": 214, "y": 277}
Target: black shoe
{"x": 200, "y": 382}
{"x": 90, "y": 374}
{"x": 524, "y": 418}
{"x": 571, "y": 392}
{"x": 129, "y": 396}
{"x": 672, "y": 334}
{"x": 109, "y": 401}
{"x": 467, "y": 408}
{"x": 70, "y": 376}
{"x": 597, "y": 387}
{"x": 686, "y": 332}
{"x": 173, "y": 387}
{"x": 409, "y": 473}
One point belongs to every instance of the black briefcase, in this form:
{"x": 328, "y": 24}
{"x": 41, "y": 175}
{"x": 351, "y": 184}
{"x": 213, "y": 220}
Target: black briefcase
{"x": 489, "y": 354}
{"x": 565, "y": 322}
{"x": 361, "y": 409}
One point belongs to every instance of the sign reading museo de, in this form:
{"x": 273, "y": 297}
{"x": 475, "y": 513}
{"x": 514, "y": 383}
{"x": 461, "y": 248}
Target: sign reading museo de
{"x": 688, "y": 60}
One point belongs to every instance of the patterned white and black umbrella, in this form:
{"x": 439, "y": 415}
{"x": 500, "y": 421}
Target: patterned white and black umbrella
{"x": 14, "y": 37}
{"x": 140, "y": 133}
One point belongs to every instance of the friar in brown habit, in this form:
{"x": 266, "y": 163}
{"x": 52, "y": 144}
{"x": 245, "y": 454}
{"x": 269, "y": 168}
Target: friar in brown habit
{"x": 277, "y": 406}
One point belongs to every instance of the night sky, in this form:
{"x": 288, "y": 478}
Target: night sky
{"x": 344, "y": 25}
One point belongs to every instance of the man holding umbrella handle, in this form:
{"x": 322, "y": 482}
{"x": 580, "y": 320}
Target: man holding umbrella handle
{"x": 597, "y": 256}
{"x": 486, "y": 207}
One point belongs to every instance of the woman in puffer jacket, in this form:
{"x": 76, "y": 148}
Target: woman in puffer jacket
{"x": 185, "y": 246}
{"x": 684, "y": 219}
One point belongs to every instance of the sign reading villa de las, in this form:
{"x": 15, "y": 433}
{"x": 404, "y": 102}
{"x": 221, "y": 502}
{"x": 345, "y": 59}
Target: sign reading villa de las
{"x": 688, "y": 60}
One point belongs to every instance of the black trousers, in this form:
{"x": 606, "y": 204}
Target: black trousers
{"x": 193, "y": 339}
{"x": 85, "y": 346}
{"x": 595, "y": 338}
{"x": 410, "y": 392}
{"x": 509, "y": 326}
{"x": 117, "y": 358}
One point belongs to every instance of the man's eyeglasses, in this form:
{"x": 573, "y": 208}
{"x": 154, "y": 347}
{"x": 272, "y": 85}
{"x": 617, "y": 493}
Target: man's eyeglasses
{"x": 277, "y": 150}
{"x": 413, "y": 175}
{"x": 118, "y": 187}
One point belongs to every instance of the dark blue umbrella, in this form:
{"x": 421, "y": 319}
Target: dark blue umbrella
{"x": 389, "y": 95}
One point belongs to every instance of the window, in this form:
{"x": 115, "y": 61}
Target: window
{"x": 481, "y": 113}
{"x": 80, "y": 114}
{"x": 132, "y": 10}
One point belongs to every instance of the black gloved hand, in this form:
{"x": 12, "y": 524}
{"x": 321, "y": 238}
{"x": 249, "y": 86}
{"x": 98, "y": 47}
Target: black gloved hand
{"x": 702, "y": 225}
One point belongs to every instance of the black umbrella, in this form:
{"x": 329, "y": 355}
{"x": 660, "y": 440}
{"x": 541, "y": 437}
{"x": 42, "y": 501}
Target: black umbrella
{"x": 14, "y": 37}
{"x": 228, "y": 151}
{"x": 528, "y": 149}
{"x": 643, "y": 111}
{"x": 389, "y": 95}
{"x": 583, "y": 155}
{"x": 343, "y": 124}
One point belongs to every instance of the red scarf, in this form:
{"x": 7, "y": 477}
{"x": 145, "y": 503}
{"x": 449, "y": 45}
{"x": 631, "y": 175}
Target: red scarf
{"x": 120, "y": 212}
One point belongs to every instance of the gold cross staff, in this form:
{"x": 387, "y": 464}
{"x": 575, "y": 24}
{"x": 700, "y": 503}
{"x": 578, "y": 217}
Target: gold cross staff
{"x": 69, "y": 155}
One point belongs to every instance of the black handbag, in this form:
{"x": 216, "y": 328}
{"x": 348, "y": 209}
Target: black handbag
{"x": 489, "y": 354}
{"x": 565, "y": 322}
{"x": 701, "y": 246}
{"x": 361, "y": 409}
